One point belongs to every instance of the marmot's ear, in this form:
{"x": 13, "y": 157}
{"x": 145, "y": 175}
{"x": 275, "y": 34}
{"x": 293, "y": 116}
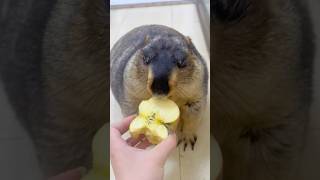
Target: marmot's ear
{"x": 190, "y": 45}
{"x": 189, "y": 41}
{"x": 146, "y": 39}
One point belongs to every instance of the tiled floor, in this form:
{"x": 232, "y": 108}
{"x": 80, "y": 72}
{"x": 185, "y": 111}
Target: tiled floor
{"x": 189, "y": 165}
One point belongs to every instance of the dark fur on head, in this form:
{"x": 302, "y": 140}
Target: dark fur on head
{"x": 163, "y": 55}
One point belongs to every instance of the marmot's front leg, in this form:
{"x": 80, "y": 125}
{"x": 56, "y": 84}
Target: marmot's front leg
{"x": 191, "y": 114}
{"x": 129, "y": 107}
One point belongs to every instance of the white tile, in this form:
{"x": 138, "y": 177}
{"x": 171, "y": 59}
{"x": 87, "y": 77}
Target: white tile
{"x": 196, "y": 164}
{"x": 117, "y": 16}
{"x": 115, "y": 112}
{"x": 160, "y": 14}
{"x": 185, "y": 14}
{"x": 145, "y": 16}
{"x": 172, "y": 167}
{"x": 113, "y": 37}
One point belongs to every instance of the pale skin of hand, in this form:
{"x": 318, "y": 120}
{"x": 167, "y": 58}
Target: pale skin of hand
{"x": 131, "y": 160}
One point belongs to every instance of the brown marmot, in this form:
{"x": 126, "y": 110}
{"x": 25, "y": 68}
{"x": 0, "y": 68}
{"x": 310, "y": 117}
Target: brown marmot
{"x": 156, "y": 60}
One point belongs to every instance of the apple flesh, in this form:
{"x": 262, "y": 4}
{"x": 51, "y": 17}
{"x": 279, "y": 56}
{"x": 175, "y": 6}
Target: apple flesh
{"x": 155, "y": 116}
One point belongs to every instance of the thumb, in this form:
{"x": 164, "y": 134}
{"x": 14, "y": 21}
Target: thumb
{"x": 163, "y": 150}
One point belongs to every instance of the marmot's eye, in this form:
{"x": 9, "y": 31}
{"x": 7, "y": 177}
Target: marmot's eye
{"x": 146, "y": 60}
{"x": 181, "y": 63}
{"x": 180, "y": 57}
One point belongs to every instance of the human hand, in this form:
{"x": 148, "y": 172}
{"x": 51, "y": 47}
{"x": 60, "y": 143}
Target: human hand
{"x": 129, "y": 158}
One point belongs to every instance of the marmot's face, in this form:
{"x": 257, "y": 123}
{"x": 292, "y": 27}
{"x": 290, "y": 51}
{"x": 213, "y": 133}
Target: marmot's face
{"x": 166, "y": 65}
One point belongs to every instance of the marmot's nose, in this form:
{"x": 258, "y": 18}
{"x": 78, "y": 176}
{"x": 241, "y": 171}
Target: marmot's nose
{"x": 160, "y": 86}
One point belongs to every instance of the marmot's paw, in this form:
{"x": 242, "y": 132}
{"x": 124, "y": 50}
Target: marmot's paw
{"x": 186, "y": 140}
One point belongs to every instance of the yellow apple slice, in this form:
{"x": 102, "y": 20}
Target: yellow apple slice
{"x": 167, "y": 111}
{"x": 137, "y": 127}
{"x": 157, "y": 133}
{"x": 153, "y": 115}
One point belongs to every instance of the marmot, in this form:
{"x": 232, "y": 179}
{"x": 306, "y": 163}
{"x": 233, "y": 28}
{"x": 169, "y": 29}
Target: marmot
{"x": 262, "y": 54}
{"x": 156, "y": 60}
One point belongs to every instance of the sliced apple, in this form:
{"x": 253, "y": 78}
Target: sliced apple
{"x": 154, "y": 114}
{"x": 156, "y": 133}
{"x": 166, "y": 110}
{"x": 137, "y": 127}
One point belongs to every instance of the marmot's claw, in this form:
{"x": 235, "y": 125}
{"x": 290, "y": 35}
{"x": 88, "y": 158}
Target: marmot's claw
{"x": 193, "y": 142}
{"x": 187, "y": 140}
{"x": 180, "y": 140}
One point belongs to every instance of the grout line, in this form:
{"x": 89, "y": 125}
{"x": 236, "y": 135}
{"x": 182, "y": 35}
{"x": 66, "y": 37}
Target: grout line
{"x": 180, "y": 173}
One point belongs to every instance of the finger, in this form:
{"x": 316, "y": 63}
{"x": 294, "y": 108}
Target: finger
{"x": 74, "y": 174}
{"x": 143, "y": 144}
{"x": 122, "y": 126}
{"x": 163, "y": 150}
{"x": 115, "y": 138}
{"x": 133, "y": 141}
